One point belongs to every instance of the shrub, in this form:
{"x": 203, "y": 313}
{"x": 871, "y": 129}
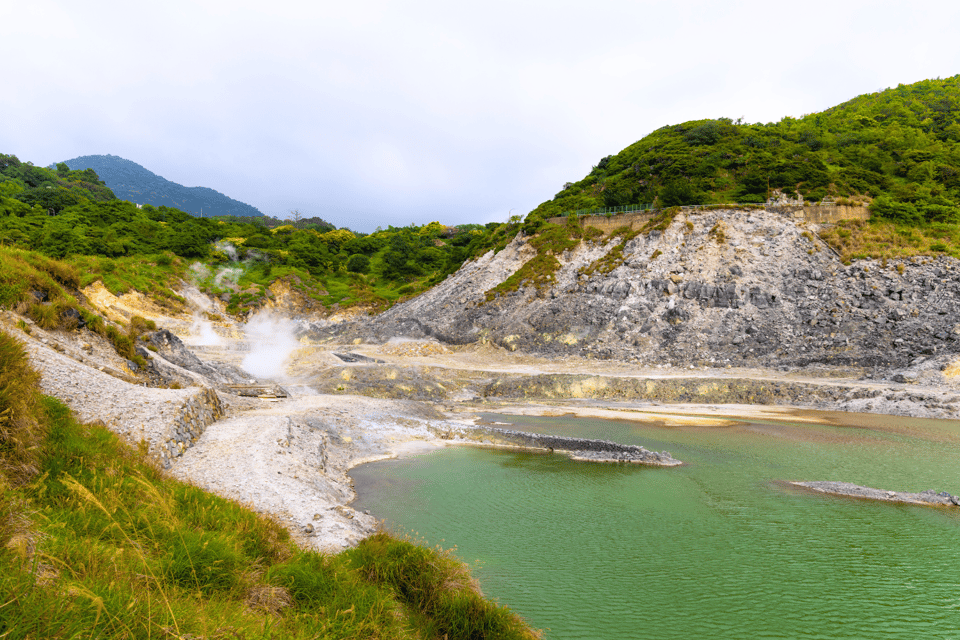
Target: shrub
{"x": 903, "y": 212}
{"x": 45, "y": 315}
{"x": 140, "y": 325}
{"x": 358, "y": 263}
{"x": 707, "y": 133}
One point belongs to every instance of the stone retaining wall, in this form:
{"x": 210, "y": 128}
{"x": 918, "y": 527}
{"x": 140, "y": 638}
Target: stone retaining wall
{"x": 192, "y": 418}
{"x": 821, "y": 214}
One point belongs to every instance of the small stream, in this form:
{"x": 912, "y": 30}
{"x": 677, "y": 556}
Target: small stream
{"x": 717, "y": 548}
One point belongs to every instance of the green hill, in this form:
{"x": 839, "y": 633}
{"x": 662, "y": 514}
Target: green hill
{"x": 132, "y": 182}
{"x": 69, "y": 214}
{"x": 51, "y": 191}
{"x": 899, "y": 148}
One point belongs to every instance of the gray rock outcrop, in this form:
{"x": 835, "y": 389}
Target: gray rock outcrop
{"x": 744, "y": 288}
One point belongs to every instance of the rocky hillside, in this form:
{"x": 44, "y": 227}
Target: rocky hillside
{"x": 712, "y": 288}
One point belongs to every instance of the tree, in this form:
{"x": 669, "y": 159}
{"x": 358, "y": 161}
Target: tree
{"x": 358, "y": 263}
{"x": 397, "y": 262}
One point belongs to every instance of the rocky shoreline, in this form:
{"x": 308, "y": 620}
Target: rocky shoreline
{"x": 930, "y": 497}
{"x": 582, "y": 449}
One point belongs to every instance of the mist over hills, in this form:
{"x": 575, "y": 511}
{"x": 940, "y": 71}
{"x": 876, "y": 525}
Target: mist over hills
{"x": 130, "y": 181}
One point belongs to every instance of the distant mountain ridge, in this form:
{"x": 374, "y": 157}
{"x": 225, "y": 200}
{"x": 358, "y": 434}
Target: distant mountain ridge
{"x": 130, "y": 181}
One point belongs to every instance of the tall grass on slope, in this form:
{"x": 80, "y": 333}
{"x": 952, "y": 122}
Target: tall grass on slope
{"x": 22, "y": 427}
{"x": 38, "y": 286}
{"x": 437, "y": 587}
{"x": 155, "y": 276}
{"x": 45, "y": 290}
{"x": 96, "y": 542}
{"x": 855, "y": 240}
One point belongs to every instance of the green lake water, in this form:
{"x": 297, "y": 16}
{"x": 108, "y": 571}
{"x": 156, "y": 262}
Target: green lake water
{"x": 718, "y": 548}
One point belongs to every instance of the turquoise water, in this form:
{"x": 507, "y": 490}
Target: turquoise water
{"x": 718, "y": 548}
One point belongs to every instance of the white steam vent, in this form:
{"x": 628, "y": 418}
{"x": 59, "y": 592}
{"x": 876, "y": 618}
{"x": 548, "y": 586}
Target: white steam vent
{"x": 272, "y": 339}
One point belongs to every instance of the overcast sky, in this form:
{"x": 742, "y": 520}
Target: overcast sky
{"x": 371, "y": 113}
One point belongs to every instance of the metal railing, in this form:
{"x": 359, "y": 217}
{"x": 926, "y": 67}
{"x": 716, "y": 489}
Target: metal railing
{"x": 637, "y": 208}
{"x": 627, "y": 208}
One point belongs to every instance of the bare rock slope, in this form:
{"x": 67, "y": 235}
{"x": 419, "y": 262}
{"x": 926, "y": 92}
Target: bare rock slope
{"x": 744, "y": 288}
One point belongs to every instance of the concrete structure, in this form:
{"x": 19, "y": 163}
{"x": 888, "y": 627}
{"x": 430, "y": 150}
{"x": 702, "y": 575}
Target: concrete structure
{"x": 820, "y": 214}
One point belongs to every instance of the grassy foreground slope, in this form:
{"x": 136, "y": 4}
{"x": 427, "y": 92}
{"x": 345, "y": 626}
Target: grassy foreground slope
{"x": 96, "y": 542}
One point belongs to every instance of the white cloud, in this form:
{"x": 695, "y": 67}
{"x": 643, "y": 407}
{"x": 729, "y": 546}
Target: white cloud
{"x": 382, "y": 112}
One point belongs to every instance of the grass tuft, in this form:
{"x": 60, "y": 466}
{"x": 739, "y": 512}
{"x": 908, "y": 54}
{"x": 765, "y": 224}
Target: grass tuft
{"x": 435, "y": 584}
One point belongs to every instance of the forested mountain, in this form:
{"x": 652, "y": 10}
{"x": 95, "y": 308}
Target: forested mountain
{"x": 71, "y": 215}
{"x": 48, "y": 190}
{"x": 130, "y": 181}
{"x": 899, "y": 147}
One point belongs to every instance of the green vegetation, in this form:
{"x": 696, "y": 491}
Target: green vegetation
{"x": 855, "y": 240}
{"x": 898, "y": 150}
{"x": 45, "y": 290}
{"x": 151, "y": 248}
{"x": 97, "y": 542}
{"x": 901, "y": 146}
{"x": 550, "y": 241}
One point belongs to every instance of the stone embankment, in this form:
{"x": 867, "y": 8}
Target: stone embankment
{"x": 577, "y": 448}
{"x": 191, "y": 420}
{"x": 826, "y": 394}
{"x": 928, "y": 497}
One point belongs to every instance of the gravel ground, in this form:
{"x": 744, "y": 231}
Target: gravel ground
{"x": 290, "y": 458}
{"x": 92, "y": 382}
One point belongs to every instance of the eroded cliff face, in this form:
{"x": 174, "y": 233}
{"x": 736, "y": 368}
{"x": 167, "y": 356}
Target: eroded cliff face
{"x": 714, "y": 288}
